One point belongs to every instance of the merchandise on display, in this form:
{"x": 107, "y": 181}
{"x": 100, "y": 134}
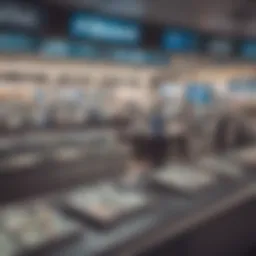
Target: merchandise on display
{"x": 33, "y": 227}
{"x": 184, "y": 179}
{"x": 7, "y": 245}
{"x": 20, "y": 162}
{"x": 247, "y": 156}
{"x": 66, "y": 154}
{"x": 221, "y": 166}
{"x": 106, "y": 203}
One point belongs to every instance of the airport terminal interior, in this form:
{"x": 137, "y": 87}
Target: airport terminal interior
{"x": 127, "y": 128}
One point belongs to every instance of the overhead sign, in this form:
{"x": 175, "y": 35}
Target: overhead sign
{"x": 180, "y": 40}
{"x": 13, "y": 43}
{"x": 104, "y": 29}
{"x": 20, "y": 15}
{"x": 248, "y": 50}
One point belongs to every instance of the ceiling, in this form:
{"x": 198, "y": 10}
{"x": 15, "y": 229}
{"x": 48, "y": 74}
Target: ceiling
{"x": 236, "y": 17}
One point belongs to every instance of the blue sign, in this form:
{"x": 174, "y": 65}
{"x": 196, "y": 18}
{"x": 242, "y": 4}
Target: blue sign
{"x": 20, "y": 15}
{"x": 13, "y": 43}
{"x": 249, "y": 50}
{"x": 179, "y": 40}
{"x": 104, "y": 29}
{"x": 55, "y": 48}
{"x": 199, "y": 94}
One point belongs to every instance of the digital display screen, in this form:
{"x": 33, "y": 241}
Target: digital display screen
{"x": 180, "y": 40}
{"x": 12, "y": 42}
{"x": 248, "y": 50}
{"x": 98, "y": 28}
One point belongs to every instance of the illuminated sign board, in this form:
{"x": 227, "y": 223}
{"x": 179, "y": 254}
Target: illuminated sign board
{"x": 13, "y": 43}
{"x": 249, "y": 50}
{"x": 104, "y": 29}
{"x": 179, "y": 40}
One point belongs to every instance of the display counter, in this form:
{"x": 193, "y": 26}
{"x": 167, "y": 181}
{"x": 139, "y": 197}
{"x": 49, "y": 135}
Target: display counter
{"x": 181, "y": 223}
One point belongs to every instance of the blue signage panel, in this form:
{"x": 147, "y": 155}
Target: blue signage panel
{"x": 20, "y": 15}
{"x": 180, "y": 40}
{"x": 248, "y": 50}
{"x": 55, "y": 48}
{"x": 199, "y": 94}
{"x": 17, "y": 43}
{"x": 95, "y": 27}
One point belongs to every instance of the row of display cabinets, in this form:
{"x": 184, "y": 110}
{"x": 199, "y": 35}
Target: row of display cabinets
{"x": 110, "y": 210}
{"x": 35, "y": 151}
{"x": 15, "y": 122}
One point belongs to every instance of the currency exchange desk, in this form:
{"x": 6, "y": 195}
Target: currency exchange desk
{"x": 220, "y": 222}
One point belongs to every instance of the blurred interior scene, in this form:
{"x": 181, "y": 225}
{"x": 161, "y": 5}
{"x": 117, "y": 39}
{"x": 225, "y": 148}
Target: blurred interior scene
{"x": 127, "y": 128}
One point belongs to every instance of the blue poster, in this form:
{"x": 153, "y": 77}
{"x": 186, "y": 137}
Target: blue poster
{"x": 55, "y": 48}
{"x": 17, "y": 43}
{"x": 95, "y": 27}
{"x": 180, "y": 40}
{"x": 248, "y": 50}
